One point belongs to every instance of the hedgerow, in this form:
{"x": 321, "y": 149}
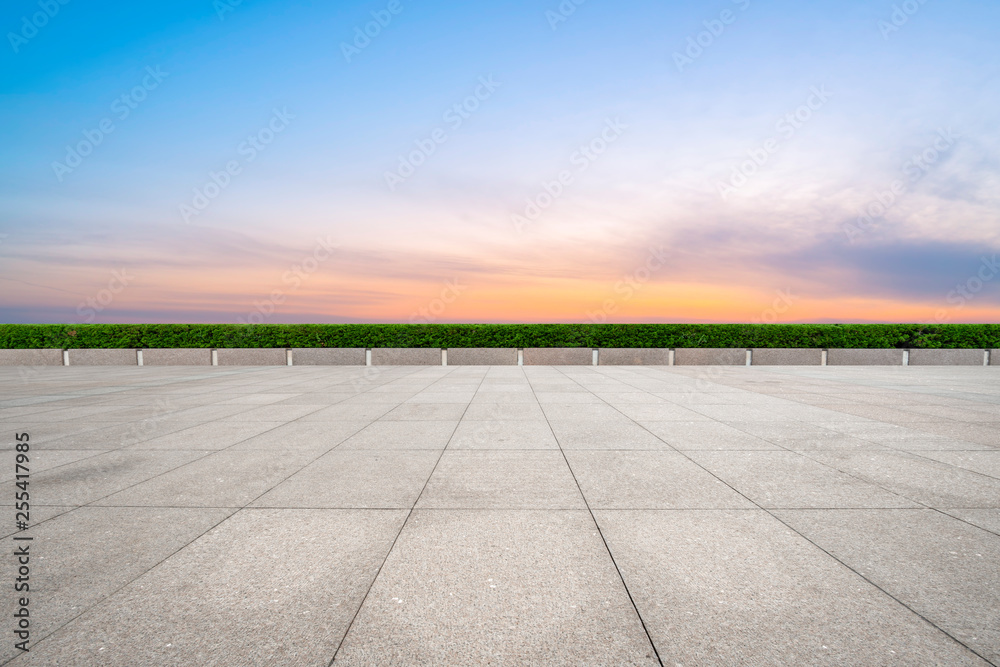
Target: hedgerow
{"x": 34, "y": 336}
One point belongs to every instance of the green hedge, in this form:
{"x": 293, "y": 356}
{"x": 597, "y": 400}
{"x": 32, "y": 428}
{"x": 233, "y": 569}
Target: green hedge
{"x": 22, "y": 336}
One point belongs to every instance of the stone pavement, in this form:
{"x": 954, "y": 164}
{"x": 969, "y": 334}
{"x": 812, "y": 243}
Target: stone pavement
{"x": 506, "y": 515}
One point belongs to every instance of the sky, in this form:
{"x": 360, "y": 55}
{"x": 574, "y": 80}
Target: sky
{"x": 524, "y": 161}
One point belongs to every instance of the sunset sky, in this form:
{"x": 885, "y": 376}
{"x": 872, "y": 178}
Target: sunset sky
{"x": 632, "y": 161}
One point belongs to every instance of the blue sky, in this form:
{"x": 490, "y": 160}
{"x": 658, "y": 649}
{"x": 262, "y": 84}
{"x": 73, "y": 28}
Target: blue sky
{"x": 874, "y": 84}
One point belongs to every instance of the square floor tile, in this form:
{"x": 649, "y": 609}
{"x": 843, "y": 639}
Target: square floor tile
{"x": 499, "y": 434}
{"x": 542, "y": 586}
{"x": 788, "y": 479}
{"x": 402, "y": 435}
{"x": 768, "y": 595}
{"x": 648, "y": 480}
{"x": 358, "y": 479}
{"x": 942, "y": 568}
{"x": 501, "y": 480}
{"x": 236, "y": 596}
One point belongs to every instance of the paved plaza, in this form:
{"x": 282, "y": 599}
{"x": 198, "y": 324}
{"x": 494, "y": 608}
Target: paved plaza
{"x": 472, "y": 515}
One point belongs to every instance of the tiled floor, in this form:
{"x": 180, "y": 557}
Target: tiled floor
{"x": 505, "y": 515}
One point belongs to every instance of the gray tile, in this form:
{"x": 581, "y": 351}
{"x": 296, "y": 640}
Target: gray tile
{"x": 381, "y": 399}
{"x": 216, "y": 434}
{"x": 928, "y": 434}
{"x": 93, "y": 478}
{"x": 261, "y": 398}
{"x": 317, "y": 437}
{"x": 828, "y": 442}
{"x": 501, "y": 480}
{"x": 738, "y": 587}
{"x": 782, "y": 431}
{"x": 509, "y": 412}
{"x": 734, "y": 412}
{"x": 114, "y": 436}
{"x": 985, "y": 463}
{"x": 929, "y": 443}
{"x": 45, "y": 459}
{"x": 875, "y": 431}
{"x": 490, "y": 411}
{"x": 628, "y": 397}
{"x": 957, "y": 413}
{"x": 222, "y": 479}
{"x": 788, "y": 479}
{"x": 356, "y": 479}
{"x": 706, "y": 435}
{"x": 402, "y": 435}
{"x": 658, "y": 412}
{"x": 497, "y": 434}
{"x": 274, "y": 413}
{"x": 604, "y": 434}
{"x": 942, "y": 568}
{"x": 237, "y": 597}
{"x": 451, "y": 396}
{"x": 322, "y": 399}
{"x": 983, "y": 433}
{"x": 37, "y": 514}
{"x": 648, "y": 480}
{"x": 552, "y": 601}
{"x": 204, "y": 413}
{"x": 83, "y": 556}
{"x": 426, "y": 412}
{"x": 575, "y": 411}
{"x": 341, "y": 412}
{"x": 985, "y": 519}
{"x": 15, "y": 415}
{"x": 504, "y": 398}
{"x": 929, "y": 482}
